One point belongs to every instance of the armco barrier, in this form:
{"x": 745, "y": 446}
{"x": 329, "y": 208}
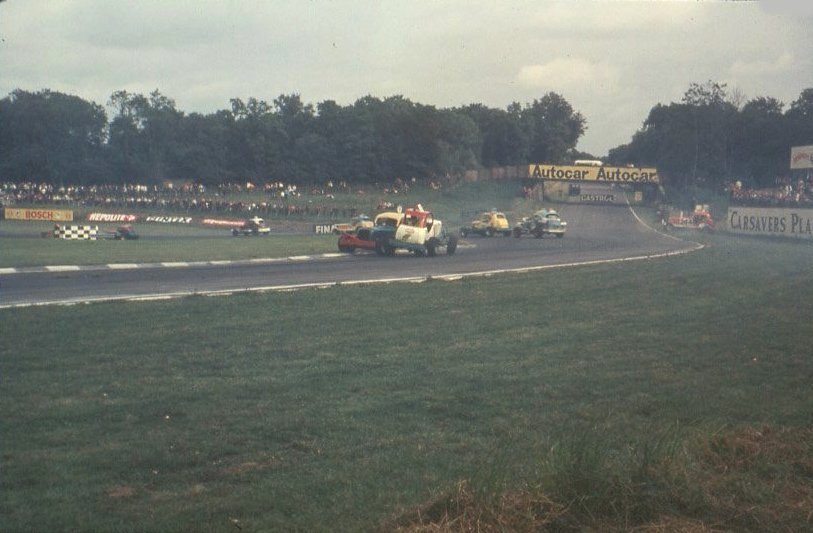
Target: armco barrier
{"x": 87, "y": 233}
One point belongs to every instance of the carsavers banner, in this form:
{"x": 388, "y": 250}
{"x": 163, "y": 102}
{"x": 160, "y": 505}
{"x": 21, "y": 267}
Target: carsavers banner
{"x": 545, "y": 171}
{"x": 50, "y": 215}
{"x": 785, "y": 222}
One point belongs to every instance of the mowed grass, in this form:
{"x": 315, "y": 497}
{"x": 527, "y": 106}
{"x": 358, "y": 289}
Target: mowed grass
{"x": 353, "y": 408}
{"x": 159, "y": 245}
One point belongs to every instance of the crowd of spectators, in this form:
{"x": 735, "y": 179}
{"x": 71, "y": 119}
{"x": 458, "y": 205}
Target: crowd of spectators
{"x": 232, "y": 198}
{"x": 787, "y": 193}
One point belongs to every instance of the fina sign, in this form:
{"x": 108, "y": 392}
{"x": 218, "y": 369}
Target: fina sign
{"x": 801, "y": 157}
{"x": 602, "y": 174}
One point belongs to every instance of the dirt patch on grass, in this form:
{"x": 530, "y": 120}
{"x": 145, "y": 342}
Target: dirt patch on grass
{"x": 742, "y": 479}
{"x": 121, "y": 491}
{"x": 464, "y": 510}
{"x": 248, "y": 466}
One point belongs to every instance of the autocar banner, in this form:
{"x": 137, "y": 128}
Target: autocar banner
{"x": 546, "y": 171}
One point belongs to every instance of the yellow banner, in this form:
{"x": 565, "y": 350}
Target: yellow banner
{"x": 49, "y": 215}
{"x": 604, "y": 174}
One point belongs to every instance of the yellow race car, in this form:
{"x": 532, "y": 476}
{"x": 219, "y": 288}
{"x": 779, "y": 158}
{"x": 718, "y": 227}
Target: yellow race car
{"x": 488, "y": 224}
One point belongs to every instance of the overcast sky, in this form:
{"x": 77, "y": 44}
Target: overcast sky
{"x": 612, "y": 60}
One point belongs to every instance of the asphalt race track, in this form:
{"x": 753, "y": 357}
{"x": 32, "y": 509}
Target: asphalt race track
{"x": 594, "y": 233}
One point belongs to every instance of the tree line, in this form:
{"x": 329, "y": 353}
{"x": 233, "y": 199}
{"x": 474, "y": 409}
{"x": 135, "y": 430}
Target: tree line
{"x": 56, "y": 138}
{"x": 712, "y": 136}
{"x": 708, "y": 138}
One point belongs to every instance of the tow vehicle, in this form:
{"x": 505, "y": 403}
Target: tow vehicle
{"x": 418, "y": 232}
{"x": 252, "y": 226}
{"x": 699, "y": 220}
{"x": 543, "y": 222}
{"x": 487, "y": 224}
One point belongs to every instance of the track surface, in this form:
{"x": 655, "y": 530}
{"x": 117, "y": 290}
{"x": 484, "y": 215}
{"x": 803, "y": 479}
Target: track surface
{"x": 594, "y": 233}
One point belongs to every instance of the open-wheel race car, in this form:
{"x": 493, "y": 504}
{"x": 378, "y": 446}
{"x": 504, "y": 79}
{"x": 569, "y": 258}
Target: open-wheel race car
{"x": 252, "y": 226}
{"x": 698, "y": 220}
{"x": 122, "y": 233}
{"x": 543, "y": 222}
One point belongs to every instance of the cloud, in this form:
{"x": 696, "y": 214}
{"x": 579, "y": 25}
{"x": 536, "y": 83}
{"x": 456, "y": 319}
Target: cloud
{"x": 792, "y": 8}
{"x": 569, "y": 74}
{"x": 783, "y": 63}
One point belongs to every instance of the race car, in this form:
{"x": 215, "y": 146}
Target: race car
{"x": 252, "y": 226}
{"x": 487, "y": 224}
{"x": 356, "y": 223}
{"x": 125, "y": 233}
{"x": 699, "y": 220}
{"x": 543, "y": 222}
{"x": 122, "y": 233}
{"x": 361, "y": 238}
{"x": 418, "y": 231}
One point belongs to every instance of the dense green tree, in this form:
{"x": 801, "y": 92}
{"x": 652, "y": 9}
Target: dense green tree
{"x": 51, "y": 137}
{"x": 553, "y": 128}
{"x": 760, "y": 142}
{"x": 707, "y": 140}
{"x": 149, "y": 140}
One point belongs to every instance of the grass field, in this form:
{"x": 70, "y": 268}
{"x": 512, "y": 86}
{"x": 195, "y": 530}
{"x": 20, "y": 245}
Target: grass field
{"x": 644, "y": 394}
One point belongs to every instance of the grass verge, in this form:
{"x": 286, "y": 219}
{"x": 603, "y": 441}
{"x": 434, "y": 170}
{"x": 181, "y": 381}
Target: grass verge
{"x": 596, "y": 394}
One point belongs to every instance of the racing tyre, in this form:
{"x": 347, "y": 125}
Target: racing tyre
{"x": 560, "y": 235}
{"x": 489, "y": 233}
{"x": 538, "y": 234}
{"x": 517, "y": 233}
{"x": 451, "y": 246}
{"x": 431, "y": 246}
{"x": 464, "y": 232}
{"x": 235, "y": 233}
{"x": 383, "y": 246}
{"x": 506, "y": 233}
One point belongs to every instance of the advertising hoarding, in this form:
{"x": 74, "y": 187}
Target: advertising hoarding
{"x": 771, "y": 221}
{"x": 591, "y": 173}
{"x": 801, "y": 157}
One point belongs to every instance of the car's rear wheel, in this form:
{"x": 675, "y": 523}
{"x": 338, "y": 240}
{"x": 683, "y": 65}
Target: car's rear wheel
{"x": 451, "y": 246}
{"x": 489, "y": 233}
{"x": 517, "y": 233}
{"x": 431, "y": 245}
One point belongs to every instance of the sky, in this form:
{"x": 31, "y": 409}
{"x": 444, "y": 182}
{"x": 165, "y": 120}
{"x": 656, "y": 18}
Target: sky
{"x": 611, "y": 60}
